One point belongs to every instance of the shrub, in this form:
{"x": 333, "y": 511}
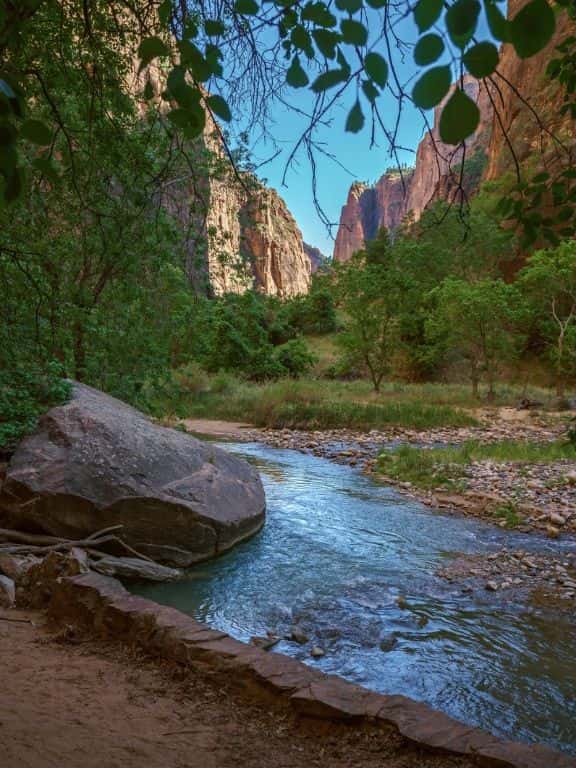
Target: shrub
{"x": 295, "y": 357}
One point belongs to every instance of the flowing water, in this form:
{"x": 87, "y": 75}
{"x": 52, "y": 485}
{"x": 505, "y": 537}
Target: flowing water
{"x": 336, "y": 554}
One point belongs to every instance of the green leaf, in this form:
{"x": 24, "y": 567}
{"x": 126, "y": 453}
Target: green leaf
{"x": 428, "y": 49}
{"x": 214, "y": 28}
{"x": 355, "y": 119}
{"x": 377, "y": 4}
{"x": 148, "y": 91}
{"x": 301, "y": 39}
{"x": 377, "y": 68}
{"x": 427, "y": 13}
{"x": 461, "y": 21}
{"x": 352, "y": 6}
{"x": 326, "y": 40}
{"x": 44, "y": 165}
{"x": 165, "y": 12}
{"x": 353, "y": 32}
{"x": 149, "y": 49}
{"x": 481, "y": 60}
{"x": 370, "y": 90}
{"x": 246, "y": 7}
{"x": 36, "y": 132}
{"x": 532, "y": 28}
{"x": 190, "y": 121}
{"x": 319, "y": 14}
{"x": 220, "y": 107}
{"x": 432, "y": 87}
{"x": 498, "y": 24}
{"x": 460, "y": 118}
{"x": 296, "y": 76}
{"x": 329, "y": 79}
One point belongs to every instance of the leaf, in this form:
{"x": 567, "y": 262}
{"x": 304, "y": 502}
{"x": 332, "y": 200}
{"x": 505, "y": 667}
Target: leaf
{"x": 220, "y": 107}
{"x": 149, "y": 49}
{"x": 377, "y": 4}
{"x": 190, "y": 121}
{"x": 329, "y": 79}
{"x": 246, "y": 7}
{"x": 432, "y": 87}
{"x": 355, "y": 119}
{"x": 319, "y": 14}
{"x": 376, "y": 68}
{"x": 498, "y": 24}
{"x": 36, "y": 132}
{"x": 461, "y": 21}
{"x": 482, "y": 59}
{"x": 541, "y": 177}
{"x": 352, "y": 6}
{"x": 214, "y": 27}
{"x": 296, "y": 76}
{"x": 532, "y": 28}
{"x": 370, "y": 90}
{"x": 148, "y": 91}
{"x": 428, "y": 49}
{"x": 44, "y": 165}
{"x": 460, "y": 118}
{"x": 165, "y": 12}
{"x": 353, "y": 32}
{"x": 427, "y": 13}
{"x": 326, "y": 40}
{"x": 13, "y": 186}
{"x": 301, "y": 39}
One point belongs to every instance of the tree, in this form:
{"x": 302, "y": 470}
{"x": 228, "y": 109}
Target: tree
{"x": 549, "y": 281}
{"x": 219, "y": 56}
{"x": 477, "y": 321}
{"x": 370, "y": 294}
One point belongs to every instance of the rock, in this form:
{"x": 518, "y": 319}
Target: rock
{"x": 388, "y": 643}
{"x": 555, "y": 518}
{"x": 317, "y": 652}
{"x": 552, "y": 531}
{"x": 491, "y": 586}
{"x": 37, "y": 583}
{"x": 15, "y": 566}
{"x": 298, "y": 636}
{"x": 134, "y": 568}
{"x": 265, "y": 642}
{"x": 7, "y": 592}
{"x": 571, "y": 478}
{"x": 97, "y": 462}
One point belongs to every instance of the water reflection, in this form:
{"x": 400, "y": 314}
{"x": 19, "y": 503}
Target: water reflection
{"x": 351, "y": 563}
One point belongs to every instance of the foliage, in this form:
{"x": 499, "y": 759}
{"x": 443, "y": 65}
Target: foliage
{"x": 478, "y": 320}
{"x": 213, "y": 56}
{"x": 549, "y": 281}
{"x": 25, "y": 394}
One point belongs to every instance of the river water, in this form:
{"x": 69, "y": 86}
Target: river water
{"x": 351, "y": 563}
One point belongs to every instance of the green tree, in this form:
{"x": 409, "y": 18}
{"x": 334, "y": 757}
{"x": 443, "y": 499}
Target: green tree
{"x": 549, "y": 282}
{"x": 477, "y": 321}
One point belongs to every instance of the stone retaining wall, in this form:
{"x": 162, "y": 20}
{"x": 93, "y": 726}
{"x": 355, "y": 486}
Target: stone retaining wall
{"x": 102, "y": 605}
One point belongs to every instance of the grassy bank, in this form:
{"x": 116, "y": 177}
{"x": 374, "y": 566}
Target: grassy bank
{"x": 303, "y": 404}
{"x": 434, "y": 467}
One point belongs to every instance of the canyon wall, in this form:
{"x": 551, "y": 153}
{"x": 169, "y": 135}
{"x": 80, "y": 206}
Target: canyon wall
{"x": 317, "y": 258}
{"x": 436, "y": 175}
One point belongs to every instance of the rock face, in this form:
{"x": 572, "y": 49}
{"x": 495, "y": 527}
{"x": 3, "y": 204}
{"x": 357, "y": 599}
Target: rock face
{"x": 435, "y": 176}
{"x": 239, "y": 234}
{"x": 534, "y": 92}
{"x": 97, "y": 462}
{"x": 317, "y": 258}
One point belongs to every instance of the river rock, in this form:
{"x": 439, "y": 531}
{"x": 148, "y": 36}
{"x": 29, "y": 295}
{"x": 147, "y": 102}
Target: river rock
{"x": 7, "y": 592}
{"x": 97, "y": 462}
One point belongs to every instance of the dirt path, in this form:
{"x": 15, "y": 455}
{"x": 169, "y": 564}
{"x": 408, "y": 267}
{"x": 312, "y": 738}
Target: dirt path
{"x": 71, "y": 704}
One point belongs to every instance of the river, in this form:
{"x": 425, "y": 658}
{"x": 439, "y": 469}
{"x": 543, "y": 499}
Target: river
{"x": 352, "y": 564}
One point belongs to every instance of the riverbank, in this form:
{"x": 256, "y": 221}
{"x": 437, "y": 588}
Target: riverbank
{"x": 527, "y": 496}
{"x": 81, "y": 703}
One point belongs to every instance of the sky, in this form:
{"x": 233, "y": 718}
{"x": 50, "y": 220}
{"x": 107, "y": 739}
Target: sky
{"x": 357, "y": 160}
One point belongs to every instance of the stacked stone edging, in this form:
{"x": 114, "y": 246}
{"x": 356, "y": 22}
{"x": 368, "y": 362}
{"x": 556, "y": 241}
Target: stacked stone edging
{"x": 102, "y": 605}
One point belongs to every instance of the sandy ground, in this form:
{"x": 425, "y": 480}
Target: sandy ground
{"x": 230, "y": 429}
{"x": 70, "y": 702}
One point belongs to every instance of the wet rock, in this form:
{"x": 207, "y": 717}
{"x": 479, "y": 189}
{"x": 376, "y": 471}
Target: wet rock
{"x": 298, "y": 636}
{"x": 491, "y": 586}
{"x": 317, "y": 652}
{"x": 7, "y": 592}
{"x": 266, "y": 643}
{"x": 388, "y": 643}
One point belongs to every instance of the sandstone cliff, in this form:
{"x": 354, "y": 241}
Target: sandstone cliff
{"x": 530, "y": 114}
{"x": 317, "y": 258}
{"x": 436, "y": 175}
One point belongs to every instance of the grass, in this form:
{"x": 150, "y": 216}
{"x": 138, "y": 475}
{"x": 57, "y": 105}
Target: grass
{"x": 434, "y": 467}
{"x": 301, "y": 404}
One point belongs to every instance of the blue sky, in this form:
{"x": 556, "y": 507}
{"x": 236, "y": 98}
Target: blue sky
{"x": 361, "y": 161}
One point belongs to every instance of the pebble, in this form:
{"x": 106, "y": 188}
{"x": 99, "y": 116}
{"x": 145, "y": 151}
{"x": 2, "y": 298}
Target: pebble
{"x": 317, "y": 652}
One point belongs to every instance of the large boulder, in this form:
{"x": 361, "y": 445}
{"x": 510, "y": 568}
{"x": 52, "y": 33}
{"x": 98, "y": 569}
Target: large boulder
{"x": 97, "y": 462}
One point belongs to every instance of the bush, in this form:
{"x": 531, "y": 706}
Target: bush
{"x": 295, "y": 357}
{"x": 25, "y": 394}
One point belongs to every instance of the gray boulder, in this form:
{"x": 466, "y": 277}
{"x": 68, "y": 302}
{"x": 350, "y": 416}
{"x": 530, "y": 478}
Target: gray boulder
{"x": 96, "y": 462}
